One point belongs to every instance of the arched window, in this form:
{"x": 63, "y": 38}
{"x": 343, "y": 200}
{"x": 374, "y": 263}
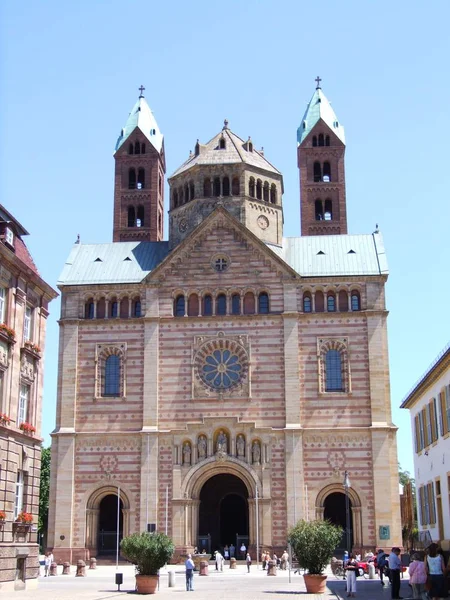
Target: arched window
{"x": 259, "y": 189}
{"x": 137, "y": 148}
{"x": 318, "y": 210}
{"x": 141, "y": 179}
{"x": 193, "y": 305}
{"x": 226, "y": 186}
{"x": 207, "y": 305}
{"x": 319, "y": 301}
{"x": 181, "y": 195}
{"x": 314, "y": 140}
{"x": 113, "y": 308}
{"x": 132, "y": 179}
{"x": 343, "y": 301}
{"x": 235, "y": 304}
{"x": 130, "y": 149}
{"x": 142, "y": 148}
{"x": 89, "y": 309}
{"x": 235, "y": 186}
{"x": 273, "y": 193}
{"x": 186, "y": 193}
{"x": 249, "y": 304}
{"x": 192, "y": 190}
{"x": 124, "y": 307}
{"x": 307, "y": 304}
{"x": 250, "y": 147}
{"x": 140, "y": 216}
{"x": 137, "y": 308}
{"x": 326, "y": 172}
{"x": 317, "y": 172}
{"x": 331, "y": 303}
{"x": 207, "y": 188}
{"x": 328, "y": 215}
{"x": 221, "y": 304}
{"x": 263, "y": 303}
{"x": 266, "y": 191}
{"x": 251, "y": 187}
{"x": 222, "y": 143}
{"x": 216, "y": 186}
{"x": 101, "y": 308}
{"x": 175, "y": 198}
{"x": 355, "y": 301}
{"x": 321, "y": 140}
{"x": 160, "y": 221}
{"x": 112, "y": 376}
{"x": 333, "y": 371}
{"x": 179, "y": 306}
{"x": 131, "y": 216}
{"x": 327, "y": 140}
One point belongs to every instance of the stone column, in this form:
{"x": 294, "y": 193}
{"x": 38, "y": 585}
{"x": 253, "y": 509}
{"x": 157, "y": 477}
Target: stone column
{"x": 106, "y": 309}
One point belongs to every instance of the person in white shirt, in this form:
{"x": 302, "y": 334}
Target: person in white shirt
{"x": 189, "y": 564}
{"x": 395, "y": 566}
{"x": 243, "y": 550}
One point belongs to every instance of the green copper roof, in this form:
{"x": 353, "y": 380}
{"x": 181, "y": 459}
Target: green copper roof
{"x": 319, "y": 108}
{"x": 141, "y": 116}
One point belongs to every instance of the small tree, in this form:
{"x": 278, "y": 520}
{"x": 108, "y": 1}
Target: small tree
{"x": 43, "y": 496}
{"x": 148, "y": 551}
{"x": 314, "y": 543}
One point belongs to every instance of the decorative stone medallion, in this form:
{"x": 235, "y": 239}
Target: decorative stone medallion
{"x": 263, "y": 222}
{"x": 182, "y": 225}
{"x": 220, "y": 262}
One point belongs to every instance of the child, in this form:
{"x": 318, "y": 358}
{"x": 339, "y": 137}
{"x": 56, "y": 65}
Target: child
{"x": 417, "y": 576}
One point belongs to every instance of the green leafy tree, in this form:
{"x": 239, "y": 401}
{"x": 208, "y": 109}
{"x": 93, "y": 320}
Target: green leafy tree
{"x": 44, "y": 493}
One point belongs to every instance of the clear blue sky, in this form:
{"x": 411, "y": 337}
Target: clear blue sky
{"x": 70, "y": 73}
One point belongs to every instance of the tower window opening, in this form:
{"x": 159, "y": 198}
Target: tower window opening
{"x": 216, "y": 187}
{"x": 273, "y": 193}
{"x": 250, "y": 147}
{"x": 207, "y": 305}
{"x": 263, "y": 303}
{"x": 181, "y": 195}
{"x": 160, "y": 226}
{"x": 235, "y": 186}
{"x": 193, "y": 305}
{"x": 179, "y": 306}
{"x": 356, "y": 301}
{"x": 319, "y": 301}
{"x": 327, "y": 140}
{"x": 328, "y": 215}
{"x": 141, "y": 179}
{"x": 142, "y": 148}
{"x": 326, "y": 172}
{"x": 137, "y": 308}
{"x": 137, "y": 148}
{"x": 207, "y": 188}
{"x": 331, "y": 303}
{"x": 343, "y": 301}
{"x": 259, "y": 189}
{"x": 235, "y": 304}
{"x": 186, "y": 193}
{"x": 140, "y": 216}
{"x": 130, "y": 149}
{"x": 249, "y": 303}
{"x": 318, "y": 210}
{"x": 307, "y": 305}
{"x": 89, "y": 311}
{"x": 226, "y": 186}
{"x": 266, "y": 191}
{"x": 175, "y": 199}
{"x": 114, "y": 308}
{"x": 221, "y": 305}
{"x": 222, "y": 143}
{"x": 314, "y": 140}
{"x": 317, "y": 172}
{"x": 251, "y": 187}
{"x": 131, "y": 216}
{"x": 321, "y": 140}
{"x": 192, "y": 190}
{"x": 132, "y": 179}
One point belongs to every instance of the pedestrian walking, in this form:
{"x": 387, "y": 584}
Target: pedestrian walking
{"x": 395, "y": 566}
{"x": 48, "y": 559}
{"x": 351, "y": 569}
{"x": 189, "y": 564}
{"x": 381, "y": 563}
{"x": 435, "y": 568}
{"x": 418, "y": 577}
{"x": 264, "y": 560}
{"x": 248, "y": 560}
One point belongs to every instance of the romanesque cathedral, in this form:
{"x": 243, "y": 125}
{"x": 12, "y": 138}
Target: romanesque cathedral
{"x": 216, "y": 386}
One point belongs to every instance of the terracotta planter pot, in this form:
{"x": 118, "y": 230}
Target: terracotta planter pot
{"x": 146, "y": 584}
{"x": 315, "y": 584}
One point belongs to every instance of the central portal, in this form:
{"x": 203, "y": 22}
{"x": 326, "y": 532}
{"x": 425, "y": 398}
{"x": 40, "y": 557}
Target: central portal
{"x": 223, "y": 513}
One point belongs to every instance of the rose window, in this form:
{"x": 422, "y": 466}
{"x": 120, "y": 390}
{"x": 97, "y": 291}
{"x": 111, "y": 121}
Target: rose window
{"x": 221, "y": 364}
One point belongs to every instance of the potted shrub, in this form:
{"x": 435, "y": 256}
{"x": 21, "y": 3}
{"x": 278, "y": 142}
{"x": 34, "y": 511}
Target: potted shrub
{"x": 148, "y": 552}
{"x": 314, "y": 543}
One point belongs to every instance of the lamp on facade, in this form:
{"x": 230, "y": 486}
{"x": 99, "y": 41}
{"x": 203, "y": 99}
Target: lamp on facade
{"x": 347, "y": 485}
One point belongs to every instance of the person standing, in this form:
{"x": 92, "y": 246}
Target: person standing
{"x": 264, "y": 560}
{"x": 248, "y": 560}
{"x": 226, "y": 552}
{"x": 435, "y": 568}
{"x": 417, "y": 576}
{"x": 232, "y": 550}
{"x": 395, "y": 565}
{"x": 189, "y": 564}
{"x": 284, "y": 560}
{"x": 243, "y": 550}
{"x": 47, "y": 563}
{"x": 350, "y": 569}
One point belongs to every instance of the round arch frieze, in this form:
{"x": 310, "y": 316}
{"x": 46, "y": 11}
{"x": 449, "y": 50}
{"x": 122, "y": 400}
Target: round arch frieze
{"x": 96, "y": 496}
{"x": 332, "y": 489}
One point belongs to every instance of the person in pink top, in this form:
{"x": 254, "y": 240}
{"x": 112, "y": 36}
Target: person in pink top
{"x": 417, "y": 577}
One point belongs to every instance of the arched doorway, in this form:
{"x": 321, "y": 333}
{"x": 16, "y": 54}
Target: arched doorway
{"x": 223, "y": 513}
{"x": 334, "y": 511}
{"x": 107, "y": 524}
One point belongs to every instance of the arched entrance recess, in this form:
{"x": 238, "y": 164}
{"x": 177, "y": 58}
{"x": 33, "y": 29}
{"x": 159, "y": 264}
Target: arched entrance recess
{"x": 101, "y": 520}
{"x": 223, "y": 512}
{"x": 330, "y": 505}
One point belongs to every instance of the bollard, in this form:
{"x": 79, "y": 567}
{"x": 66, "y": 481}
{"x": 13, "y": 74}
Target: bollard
{"x": 203, "y": 567}
{"x": 272, "y": 567}
{"x": 66, "y": 568}
{"x": 81, "y": 569}
{"x": 93, "y": 563}
{"x": 53, "y": 569}
{"x": 172, "y": 578}
{"x": 371, "y": 570}
{"x": 232, "y": 563}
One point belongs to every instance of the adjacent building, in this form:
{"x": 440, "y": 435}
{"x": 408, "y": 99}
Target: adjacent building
{"x": 24, "y": 300}
{"x": 217, "y": 386}
{"x": 429, "y": 406}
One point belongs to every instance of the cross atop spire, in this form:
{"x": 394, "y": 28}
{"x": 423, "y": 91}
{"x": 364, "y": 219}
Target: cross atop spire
{"x": 142, "y": 90}
{"x": 317, "y": 80}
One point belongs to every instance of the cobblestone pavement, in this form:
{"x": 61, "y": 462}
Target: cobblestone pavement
{"x": 227, "y": 585}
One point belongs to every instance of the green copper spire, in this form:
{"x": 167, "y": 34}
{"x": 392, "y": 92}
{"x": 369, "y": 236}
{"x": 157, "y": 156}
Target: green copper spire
{"x": 319, "y": 109}
{"x": 141, "y": 116}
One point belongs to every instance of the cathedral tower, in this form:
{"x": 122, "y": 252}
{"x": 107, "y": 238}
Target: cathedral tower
{"x": 320, "y": 154}
{"x": 139, "y": 178}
